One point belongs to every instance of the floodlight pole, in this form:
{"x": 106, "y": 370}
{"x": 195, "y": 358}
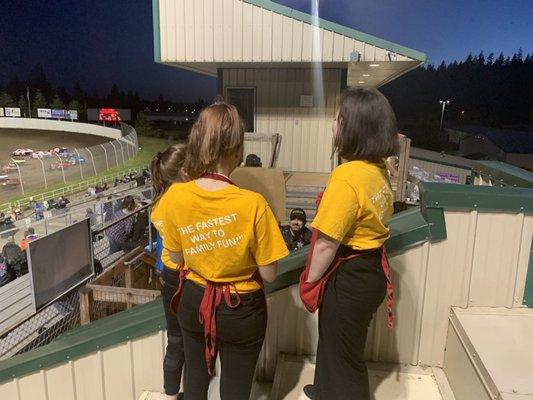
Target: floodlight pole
{"x": 443, "y": 103}
{"x": 61, "y": 165}
{"x": 79, "y": 162}
{"x": 106, "y": 161}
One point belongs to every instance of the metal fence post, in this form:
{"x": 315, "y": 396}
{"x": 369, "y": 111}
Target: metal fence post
{"x": 44, "y": 173}
{"x": 79, "y": 163}
{"x": 20, "y": 176}
{"x": 106, "y": 161}
{"x": 122, "y": 151}
{"x": 61, "y": 165}
{"x": 116, "y": 155}
{"x": 92, "y": 158}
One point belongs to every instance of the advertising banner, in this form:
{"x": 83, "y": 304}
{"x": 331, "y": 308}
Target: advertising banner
{"x": 72, "y": 114}
{"x": 44, "y": 113}
{"x": 447, "y": 177}
{"x": 1, "y": 111}
{"x": 58, "y": 113}
{"x": 12, "y": 112}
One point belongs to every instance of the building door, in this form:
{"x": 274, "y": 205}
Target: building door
{"x": 244, "y": 99}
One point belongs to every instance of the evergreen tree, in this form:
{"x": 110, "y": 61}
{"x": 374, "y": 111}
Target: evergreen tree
{"x": 22, "y": 103}
{"x": 6, "y": 100}
{"x": 143, "y": 125}
{"x": 57, "y": 103}
{"x": 39, "y": 101}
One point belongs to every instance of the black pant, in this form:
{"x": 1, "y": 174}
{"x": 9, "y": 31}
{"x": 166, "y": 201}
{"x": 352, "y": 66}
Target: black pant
{"x": 352, "y": 296}
{"x": 240, "y": 334}
{"x": 174, "y": 356}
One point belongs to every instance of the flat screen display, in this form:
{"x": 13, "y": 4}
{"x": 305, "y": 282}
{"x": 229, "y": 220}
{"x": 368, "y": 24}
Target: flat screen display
{"x": 59, "y": 262}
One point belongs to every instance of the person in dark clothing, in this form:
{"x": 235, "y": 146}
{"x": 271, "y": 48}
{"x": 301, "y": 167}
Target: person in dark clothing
{"x": 10, "y": 251}
{"x": 119, "y": 233}
{"x": 296, "y": 234}
{"x": 167, "y": 168}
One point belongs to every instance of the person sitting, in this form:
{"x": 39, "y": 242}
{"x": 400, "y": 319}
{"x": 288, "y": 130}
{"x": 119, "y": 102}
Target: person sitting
{"x": 6, "y": 272}
{"x": 119, "y": 233}
{"x": 253, "y": 160}
{"x": 296, "y": 234}
{"x": 29, "y": 236}
{"x": 10, "y": 251}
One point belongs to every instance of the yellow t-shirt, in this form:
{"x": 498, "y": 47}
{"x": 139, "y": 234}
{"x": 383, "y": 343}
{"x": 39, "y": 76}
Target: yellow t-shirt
{"x": 356, "y": 205}
{"x": 224, "y": 235}
{"x": 157, "y": 219}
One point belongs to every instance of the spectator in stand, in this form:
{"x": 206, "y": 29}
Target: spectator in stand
{"x": 6, "y": 226}
{"x": 29, "y": 236}
{"x": 119, "y": 233}
{"x": 62, "y": 203}
{"x": 89, "y": 213}
{"x": 105, "y": 187}
{"x": 296, "y": 234}
{"x": 253, "y": 160}
{"x": 10, "y": 251}
{"x": 91, "y": 191}
{"x": 108, "y": 209}
{"x": 6, "y": 272}
{"x": 39, "y": 211}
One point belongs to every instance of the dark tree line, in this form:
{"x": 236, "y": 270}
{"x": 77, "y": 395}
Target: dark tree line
{"x": 489, "y": 91}
{"x": 43, "y": 94}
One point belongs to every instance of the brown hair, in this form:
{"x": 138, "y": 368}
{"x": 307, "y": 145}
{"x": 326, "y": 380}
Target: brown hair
{"x": 366, "y": 126}
{"x": 217, "y": 134}
{"x": 128, "y": 203}
{"x": 167, "y": 168}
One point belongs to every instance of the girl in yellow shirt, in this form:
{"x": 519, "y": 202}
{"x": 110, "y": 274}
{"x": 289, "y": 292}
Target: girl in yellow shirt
{"x": 229, "y": 240}
{"x": 351, "y": 224}
{"x": 167, "y": 168}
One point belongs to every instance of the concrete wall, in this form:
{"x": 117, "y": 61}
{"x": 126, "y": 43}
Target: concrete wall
{"x": 307, "y": 140}
{"x": 64, "y": 126}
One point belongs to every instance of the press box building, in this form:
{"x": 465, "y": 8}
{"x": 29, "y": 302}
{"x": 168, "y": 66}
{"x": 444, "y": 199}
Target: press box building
{"x": 272, "y": 62}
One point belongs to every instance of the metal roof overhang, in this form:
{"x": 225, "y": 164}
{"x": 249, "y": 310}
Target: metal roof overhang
{"x": 381, "y": 74}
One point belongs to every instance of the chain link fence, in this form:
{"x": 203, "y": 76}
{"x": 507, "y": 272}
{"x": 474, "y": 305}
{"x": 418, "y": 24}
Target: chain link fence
{"x": 64, "y": 314}
{"x": 44, "y": 168}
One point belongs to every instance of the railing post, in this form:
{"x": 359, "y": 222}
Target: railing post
{"x": 86, "y": 304}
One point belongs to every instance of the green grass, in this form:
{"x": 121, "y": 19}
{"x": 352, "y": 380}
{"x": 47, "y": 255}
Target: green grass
{"x": 149, "y": 147}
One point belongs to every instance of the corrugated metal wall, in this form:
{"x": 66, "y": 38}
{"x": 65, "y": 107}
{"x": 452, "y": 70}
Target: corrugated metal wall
{"x": 235, "y": 31}
{"x": 483, "y": 262}
{"x": 122, "y": 372}
{"x": 307, "y": 141}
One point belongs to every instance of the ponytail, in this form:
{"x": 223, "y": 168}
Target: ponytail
{"x": 167, "y": 168}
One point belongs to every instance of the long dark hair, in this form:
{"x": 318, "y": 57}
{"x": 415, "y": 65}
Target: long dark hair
{"x": 367, "y": 127}
{"x": 167, "y": 168}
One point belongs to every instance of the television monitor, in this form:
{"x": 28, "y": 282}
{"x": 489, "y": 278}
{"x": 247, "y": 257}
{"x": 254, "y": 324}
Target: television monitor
{"x": 59, "y": 262}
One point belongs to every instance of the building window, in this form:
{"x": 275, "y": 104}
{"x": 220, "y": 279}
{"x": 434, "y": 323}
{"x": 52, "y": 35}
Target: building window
{"x": 244, "y": 99}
